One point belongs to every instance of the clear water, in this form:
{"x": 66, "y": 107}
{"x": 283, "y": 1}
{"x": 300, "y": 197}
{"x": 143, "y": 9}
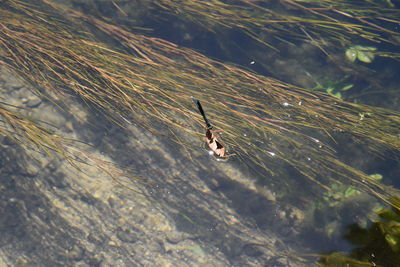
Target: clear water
{"x": 190, "y": 208}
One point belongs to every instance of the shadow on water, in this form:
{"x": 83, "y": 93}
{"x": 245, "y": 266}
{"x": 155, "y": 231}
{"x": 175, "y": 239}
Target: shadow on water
{"x": 213, "y": 202}
{"x": 177, "y": 185}
{"x": 228, "y": 206}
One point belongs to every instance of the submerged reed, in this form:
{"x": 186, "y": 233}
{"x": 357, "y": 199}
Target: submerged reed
{"x": 326, "y": 24}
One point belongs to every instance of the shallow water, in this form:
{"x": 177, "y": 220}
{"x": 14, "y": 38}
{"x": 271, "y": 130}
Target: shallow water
{"x": 176, "y": 208}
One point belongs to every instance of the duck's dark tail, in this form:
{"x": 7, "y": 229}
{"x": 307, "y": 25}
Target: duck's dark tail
{"x": 208, "y": 124}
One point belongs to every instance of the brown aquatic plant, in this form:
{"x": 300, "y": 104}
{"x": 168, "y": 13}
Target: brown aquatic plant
{"x": 23, "y": 130}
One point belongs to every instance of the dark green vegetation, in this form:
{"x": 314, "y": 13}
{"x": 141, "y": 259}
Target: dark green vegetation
{"x": 379, "y": 243}
{"x": 275, "y": 128}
